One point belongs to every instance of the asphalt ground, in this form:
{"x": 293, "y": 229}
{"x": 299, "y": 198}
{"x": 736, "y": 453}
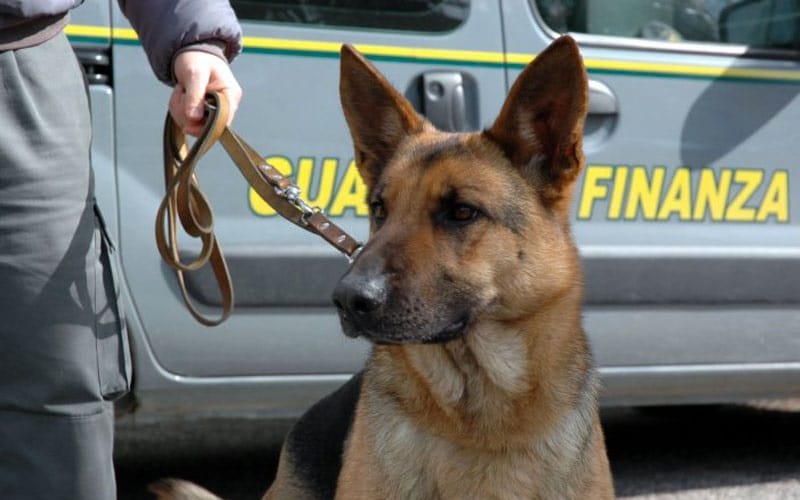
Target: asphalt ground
{"x": 720, "y": 452}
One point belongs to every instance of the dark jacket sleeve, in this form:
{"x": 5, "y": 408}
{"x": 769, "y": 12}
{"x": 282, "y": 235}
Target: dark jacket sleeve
{"x": 166, "y": 26}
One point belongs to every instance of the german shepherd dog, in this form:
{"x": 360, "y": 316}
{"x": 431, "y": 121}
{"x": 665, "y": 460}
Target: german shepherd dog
{"x": 480, "y": 383}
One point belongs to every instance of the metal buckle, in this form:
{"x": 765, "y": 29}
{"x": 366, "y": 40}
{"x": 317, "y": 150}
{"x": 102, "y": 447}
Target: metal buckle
{"x": 353, "y": 256}
{"x": 292, "y": 195}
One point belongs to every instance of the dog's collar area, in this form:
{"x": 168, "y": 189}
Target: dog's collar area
{"x": 353, "y": 255}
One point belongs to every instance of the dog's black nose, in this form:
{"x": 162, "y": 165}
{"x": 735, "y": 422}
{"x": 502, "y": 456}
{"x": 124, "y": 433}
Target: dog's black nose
{"x": 358, "y": 296}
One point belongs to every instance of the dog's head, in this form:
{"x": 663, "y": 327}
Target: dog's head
{"x": 463, "y": 226}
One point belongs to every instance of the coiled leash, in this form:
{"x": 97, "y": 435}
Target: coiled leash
{"x": 184, "y": 200}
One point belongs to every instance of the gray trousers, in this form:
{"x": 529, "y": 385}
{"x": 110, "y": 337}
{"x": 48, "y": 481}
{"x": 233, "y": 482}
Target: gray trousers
{"x": 63, "y": 352}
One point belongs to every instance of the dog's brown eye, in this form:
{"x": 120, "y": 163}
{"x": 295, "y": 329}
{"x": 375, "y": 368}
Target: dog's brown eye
{"x": 463, "y": 213}
{"x": 378, "y": 210}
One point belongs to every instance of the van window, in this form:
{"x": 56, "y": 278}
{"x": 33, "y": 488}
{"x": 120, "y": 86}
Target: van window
{"x": 405, "y": 15}
{"x": 771, "y": 24}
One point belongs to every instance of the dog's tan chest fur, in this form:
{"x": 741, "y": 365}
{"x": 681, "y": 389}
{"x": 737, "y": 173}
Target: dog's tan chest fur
{"x": 464, "y": 412}
{"x": 443, "y": 470}
{"x": 392, "y": 457}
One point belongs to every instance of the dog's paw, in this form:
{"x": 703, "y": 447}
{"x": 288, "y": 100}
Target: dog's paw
{"x": 177, "y": 489}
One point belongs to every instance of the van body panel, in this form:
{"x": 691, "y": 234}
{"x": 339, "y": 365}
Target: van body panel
{"x": 684, "y": 213}
{"x": 684, "y": 217}
{"x": 291, "y": 114}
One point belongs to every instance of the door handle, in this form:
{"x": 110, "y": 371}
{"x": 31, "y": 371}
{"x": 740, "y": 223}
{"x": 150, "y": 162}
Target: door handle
{"x": 602, "y": 116}
{"x": 602, "y": 100}
{"x": 449, "y": 100}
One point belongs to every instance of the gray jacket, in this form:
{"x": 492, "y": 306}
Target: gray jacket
{"x": 15, "y": 10}
{"x": 163, "y": 26}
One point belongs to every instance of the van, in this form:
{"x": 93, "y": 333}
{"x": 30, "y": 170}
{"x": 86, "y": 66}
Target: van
{"x": 684, "y": 214}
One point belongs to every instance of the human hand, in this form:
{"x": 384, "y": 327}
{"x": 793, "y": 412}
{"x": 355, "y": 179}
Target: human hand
{"x": 197, "y": 73}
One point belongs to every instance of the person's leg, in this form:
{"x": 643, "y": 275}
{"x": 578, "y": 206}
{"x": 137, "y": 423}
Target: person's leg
{"x": 61, "y": 353}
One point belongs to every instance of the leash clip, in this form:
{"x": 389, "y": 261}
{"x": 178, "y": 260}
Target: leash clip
{"x": 292, "y": 195}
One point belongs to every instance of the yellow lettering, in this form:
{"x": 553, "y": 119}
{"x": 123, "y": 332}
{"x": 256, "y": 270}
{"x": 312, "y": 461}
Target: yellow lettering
{"x": 257, "y": 203}
{"x": 628, "y": 192}
{"x": 644, "y": 193}
{"x": 324, "y": 193}
{"x": 593, "y": 189}
{"x": 618, "y": 192}
{"x": 776, "y": 199}
{"x": 352, "y": 193}
{"x": 678, "y": 198}
{"x": 737, "y": 211}
{"x": 712, "y": 196}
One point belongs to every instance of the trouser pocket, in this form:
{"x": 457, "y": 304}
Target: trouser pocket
{"x": 113, "y": 350}
{"x": 47, "y": 456}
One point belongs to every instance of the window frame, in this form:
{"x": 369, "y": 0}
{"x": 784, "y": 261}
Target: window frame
{"x": 352, "y": 27}
{"x": 643, "y": 45}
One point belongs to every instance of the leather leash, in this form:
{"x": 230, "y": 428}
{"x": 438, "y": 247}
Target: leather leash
{"x": 185, "y": 201}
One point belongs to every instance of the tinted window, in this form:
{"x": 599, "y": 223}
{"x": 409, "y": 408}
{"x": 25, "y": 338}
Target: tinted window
{"x": 758, "y": 23}
{"x": 408, "y": 15}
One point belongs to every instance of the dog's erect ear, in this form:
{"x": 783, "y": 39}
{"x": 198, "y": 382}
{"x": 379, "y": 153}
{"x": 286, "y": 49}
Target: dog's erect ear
{"x": 540, "y": 125}
{"x": 378, "y": 116}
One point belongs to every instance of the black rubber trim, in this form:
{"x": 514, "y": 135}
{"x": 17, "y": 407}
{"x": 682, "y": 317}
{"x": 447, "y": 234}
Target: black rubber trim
{"x": 692, "y": 280}
{"x": 269, "y": 281}
{"x": 308, "y": 281}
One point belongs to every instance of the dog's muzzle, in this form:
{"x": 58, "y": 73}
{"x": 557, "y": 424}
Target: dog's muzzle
{"x": 360, "y": 299}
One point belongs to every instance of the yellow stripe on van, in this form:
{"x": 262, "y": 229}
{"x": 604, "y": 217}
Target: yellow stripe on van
{"x": 88, "y": 31}
{"x": 685, "y": 70}
{"x": 311, "y": 48}
{"x": 100, "y": 33}
{"x": 124, "y": 34}
{"x": 381, "y": 52}
{"x": 676, "y": 70}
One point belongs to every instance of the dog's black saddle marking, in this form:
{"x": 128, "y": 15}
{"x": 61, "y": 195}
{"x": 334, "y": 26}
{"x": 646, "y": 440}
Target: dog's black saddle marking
{"x": 316, "y": 442}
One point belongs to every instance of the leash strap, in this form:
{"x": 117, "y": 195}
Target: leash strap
{"x": 184, "y": 201}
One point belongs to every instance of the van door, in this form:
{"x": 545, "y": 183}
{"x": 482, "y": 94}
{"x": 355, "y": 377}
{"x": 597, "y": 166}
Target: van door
{"x": 685, "y": 214}
{"x": 447, "y": 56}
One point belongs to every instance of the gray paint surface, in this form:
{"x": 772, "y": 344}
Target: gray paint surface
{"x": 666, "y": 299}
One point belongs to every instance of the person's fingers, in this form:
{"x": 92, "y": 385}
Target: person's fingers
{"x": 176, "y": 109}
{"x": 197, "y": 74}
{"x": 193, "y": 129}
{"x": 187, "y": 102}
{"x": 194, "y": 95}
{"x": 223, "y": 81}
{"x": 176, "y": 105}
